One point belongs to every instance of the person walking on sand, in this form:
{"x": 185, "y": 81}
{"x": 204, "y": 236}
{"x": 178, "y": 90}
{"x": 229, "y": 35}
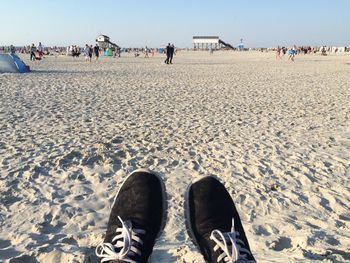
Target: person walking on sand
{"x": 97, "y": 51}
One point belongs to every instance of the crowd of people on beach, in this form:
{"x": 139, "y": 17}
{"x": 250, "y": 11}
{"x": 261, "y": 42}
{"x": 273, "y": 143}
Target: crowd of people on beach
{"x": 145, "y": 51}
{"x": 73, "y": 50}
{"x": 305, "y": 50}
{"x": 39, "y": 51}
{"x": 36, "y": 52}
{"x": 169, "y": 51}
{"x": 281, "y": 52}
{"x": 90, "y": 51}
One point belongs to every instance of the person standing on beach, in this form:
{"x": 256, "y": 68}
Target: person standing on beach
{"x": 211, "y": 50}
{"x": 172, "y": 52}
{"x": 97, "y": 51}
{"x": 167, "y": 51}
{"x": 90, "y": 52}
{"x": 292, "y": 53}
{"x": 40, "y": 50}
{"x": 12, "y": 49}
{"x": 146, "y": 52}
{"x": 87, "y": 52}
{"x": 284, "y": 51}
{"x": 32, "y": 52}
{"x": 278, "y": 53}
{"x": 118, "y": 52}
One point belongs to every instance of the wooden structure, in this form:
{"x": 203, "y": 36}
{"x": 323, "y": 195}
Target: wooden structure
{"x": 104, "y": 42}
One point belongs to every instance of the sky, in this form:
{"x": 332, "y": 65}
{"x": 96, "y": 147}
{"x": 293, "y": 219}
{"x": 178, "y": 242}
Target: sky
{"x": 154, "y": 23}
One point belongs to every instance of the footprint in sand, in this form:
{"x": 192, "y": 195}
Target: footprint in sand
{"x": 280, "y": 244}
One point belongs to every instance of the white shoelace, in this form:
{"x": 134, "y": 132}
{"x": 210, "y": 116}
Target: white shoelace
{"x": 126, "y": 238}
{"x": 231, "y": 246}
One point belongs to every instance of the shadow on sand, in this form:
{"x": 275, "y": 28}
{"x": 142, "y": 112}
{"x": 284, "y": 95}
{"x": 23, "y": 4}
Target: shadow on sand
{"x": 39, "y": 71}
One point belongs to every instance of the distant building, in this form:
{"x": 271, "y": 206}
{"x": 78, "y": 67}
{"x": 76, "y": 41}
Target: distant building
{"x": 104, "y": 42}
{"x": 206, "y": 42}
{"x": 209, "y": 42}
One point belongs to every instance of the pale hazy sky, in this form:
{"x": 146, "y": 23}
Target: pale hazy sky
{"x": 261, "y": 23}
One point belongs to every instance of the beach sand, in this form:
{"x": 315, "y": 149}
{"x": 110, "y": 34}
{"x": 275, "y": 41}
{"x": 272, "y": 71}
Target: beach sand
{"x": 276, "y": 133}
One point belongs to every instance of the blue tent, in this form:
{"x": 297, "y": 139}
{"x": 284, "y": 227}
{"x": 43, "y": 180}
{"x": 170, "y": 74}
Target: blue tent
{"x": 10, "y": 63}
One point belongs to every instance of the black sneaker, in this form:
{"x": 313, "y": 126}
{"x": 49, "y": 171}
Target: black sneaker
{"x": 213, "y": 223}
{"x": 137, "y": 218}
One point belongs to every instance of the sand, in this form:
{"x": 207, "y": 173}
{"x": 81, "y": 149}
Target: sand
{"x": 276, "y": 133}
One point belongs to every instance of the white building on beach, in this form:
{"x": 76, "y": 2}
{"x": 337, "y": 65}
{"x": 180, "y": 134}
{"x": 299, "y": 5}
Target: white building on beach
{"x": 206, "y": 42}
{"x": 209, "y": 42}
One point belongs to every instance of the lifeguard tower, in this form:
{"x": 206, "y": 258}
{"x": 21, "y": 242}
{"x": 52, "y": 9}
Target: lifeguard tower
{"x": 105, "y": 44}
